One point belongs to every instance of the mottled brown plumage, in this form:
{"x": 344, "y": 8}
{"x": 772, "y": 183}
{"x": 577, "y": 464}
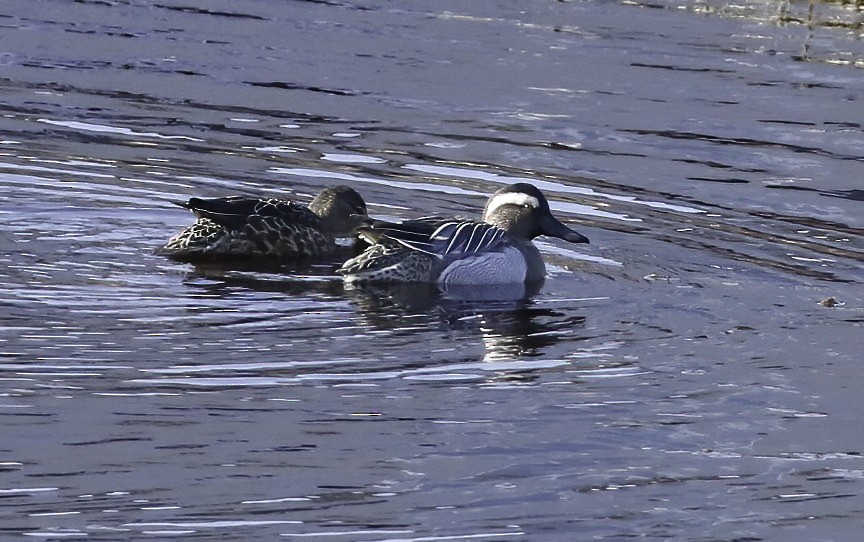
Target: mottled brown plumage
{"x": 271, "y": 228}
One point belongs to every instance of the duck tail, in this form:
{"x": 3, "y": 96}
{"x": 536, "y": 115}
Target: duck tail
{"x": 178, "y": 203}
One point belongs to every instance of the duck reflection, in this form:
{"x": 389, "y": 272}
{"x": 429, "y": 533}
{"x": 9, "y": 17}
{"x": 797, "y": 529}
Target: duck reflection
{"x": 505, "y": 318}
{"x": 509, "y": 323}
{"x": 293, "y": 278}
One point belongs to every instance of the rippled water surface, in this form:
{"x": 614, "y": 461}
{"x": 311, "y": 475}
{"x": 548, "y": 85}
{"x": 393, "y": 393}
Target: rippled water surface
{"x": 693, "y": 373}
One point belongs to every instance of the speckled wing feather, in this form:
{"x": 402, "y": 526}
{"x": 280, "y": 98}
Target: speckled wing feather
{"x": 203, "y": 233}
{"x": 389, "y": 262}
{"x": 242, "y": 226}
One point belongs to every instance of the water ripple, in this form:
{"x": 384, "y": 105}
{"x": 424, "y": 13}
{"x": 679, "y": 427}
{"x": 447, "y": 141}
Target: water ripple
{"x": 86, "y": 126}
{"x": 687, "y": 375}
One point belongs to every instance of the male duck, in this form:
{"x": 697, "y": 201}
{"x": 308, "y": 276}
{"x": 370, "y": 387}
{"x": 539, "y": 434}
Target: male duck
{"x": 239, "y": 226}
{"x": 496, "y": 251}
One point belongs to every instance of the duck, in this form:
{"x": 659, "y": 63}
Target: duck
{"x": 452, "y": 252}
{"x": 269, "y": 228}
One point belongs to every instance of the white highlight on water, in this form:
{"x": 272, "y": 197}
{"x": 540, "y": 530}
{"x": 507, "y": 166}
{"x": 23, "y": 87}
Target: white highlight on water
{"x": 88, "y": 127}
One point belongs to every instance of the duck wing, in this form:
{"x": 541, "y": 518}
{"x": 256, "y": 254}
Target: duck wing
{"x": 438, "y": 236}
{"x": 416, "y": 230}
{"x": 467, "y": 238}
{"x": 235, "y": 212}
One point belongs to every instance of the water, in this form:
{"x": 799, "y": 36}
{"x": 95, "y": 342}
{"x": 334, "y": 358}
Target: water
{"x": 676, "y": 379}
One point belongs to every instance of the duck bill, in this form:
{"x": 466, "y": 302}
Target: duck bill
{"x": 552, "y": 227}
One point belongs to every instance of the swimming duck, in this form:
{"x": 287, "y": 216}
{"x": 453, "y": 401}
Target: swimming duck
{"x": 240, "y": 226}
{"x": 497, "y": 250}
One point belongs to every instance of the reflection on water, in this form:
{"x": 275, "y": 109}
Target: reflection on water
{"x": 502, "y": 316}
{"x": 676, "y": 379}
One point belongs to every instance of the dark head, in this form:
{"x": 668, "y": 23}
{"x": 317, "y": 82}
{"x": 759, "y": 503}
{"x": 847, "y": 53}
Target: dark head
{"x": 523, "y": 211}
{"x": 342, "y": 210}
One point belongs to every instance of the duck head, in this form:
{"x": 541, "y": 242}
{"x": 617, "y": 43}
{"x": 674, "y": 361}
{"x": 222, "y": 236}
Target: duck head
{"x": 341, "y": 209}
{"x": 523, "y": 211}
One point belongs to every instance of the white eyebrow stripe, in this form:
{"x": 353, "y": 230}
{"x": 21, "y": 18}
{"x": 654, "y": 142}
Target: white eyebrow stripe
{"x": 512, "y": 198}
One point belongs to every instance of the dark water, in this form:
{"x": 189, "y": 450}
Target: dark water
{"x": 676, "y": 379}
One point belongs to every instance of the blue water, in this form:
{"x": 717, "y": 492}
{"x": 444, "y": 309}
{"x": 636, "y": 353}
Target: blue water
{"x": 689, "y": 375}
